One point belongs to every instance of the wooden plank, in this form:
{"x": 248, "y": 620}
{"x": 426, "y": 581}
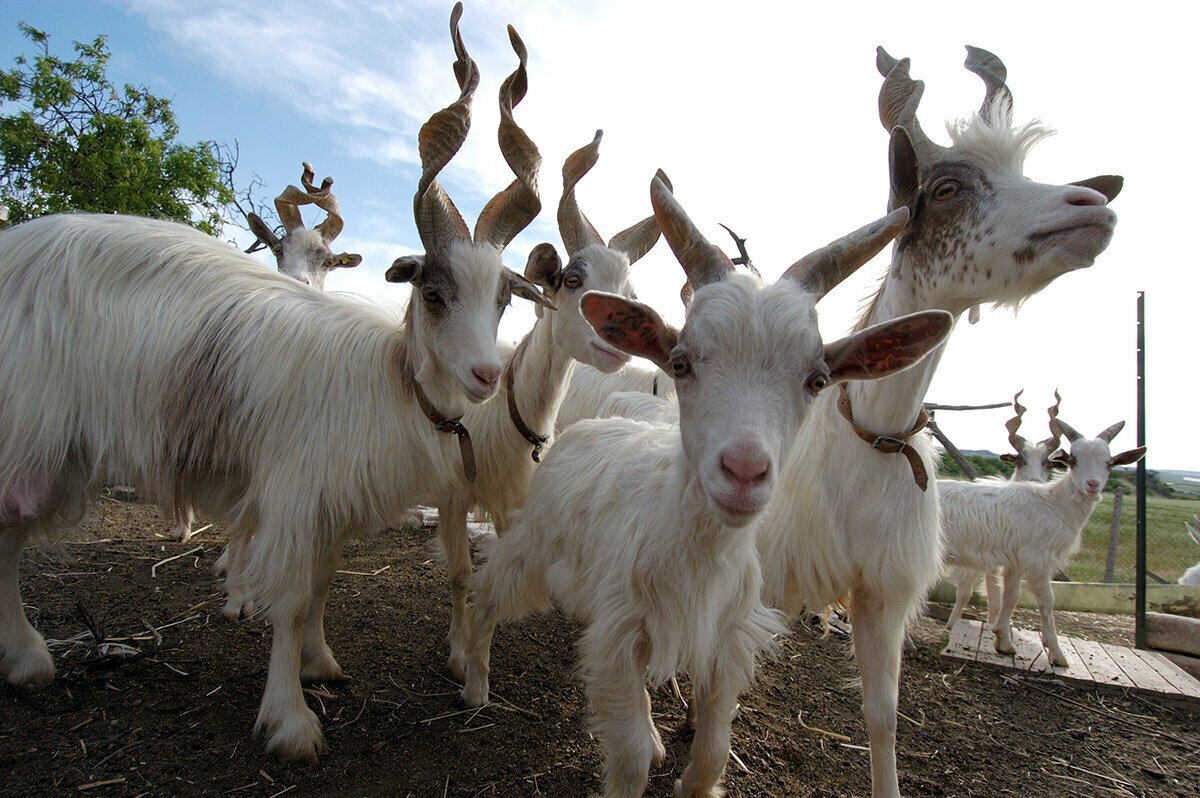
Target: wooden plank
{"x": 1146, "y": 678}
{"x": 1077, "y": 669}
{"x": 1104, "y": 671}
{"x": 1184, "y": 683}
{"x": 964, "y": 640}
{"x": 1030, "y": 656}
{"x": 988, "y": 655}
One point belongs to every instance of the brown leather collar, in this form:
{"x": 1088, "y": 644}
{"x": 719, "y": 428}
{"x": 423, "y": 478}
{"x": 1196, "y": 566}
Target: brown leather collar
{"x": 890, "y": 444}
{"x": 538, "y": 441}
{"x": 450, "y": 426}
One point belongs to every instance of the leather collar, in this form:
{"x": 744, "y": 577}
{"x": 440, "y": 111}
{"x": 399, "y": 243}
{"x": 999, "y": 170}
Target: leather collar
{"x": 537, "y": 441}
{"x": 450, "y": 426}
{"x": 890, "y": 444}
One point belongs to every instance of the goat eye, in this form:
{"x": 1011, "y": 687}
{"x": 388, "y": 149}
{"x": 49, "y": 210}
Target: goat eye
{"x": 947, "y": 189}
{"x": 573, "y": 281}
{"x": 681, "y": 366}
{"x": 817, "y": 382}
{"x": 432, "y": 296}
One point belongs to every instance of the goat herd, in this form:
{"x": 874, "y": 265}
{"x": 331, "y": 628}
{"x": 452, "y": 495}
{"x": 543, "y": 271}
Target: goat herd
{"x": 763, "y": 472}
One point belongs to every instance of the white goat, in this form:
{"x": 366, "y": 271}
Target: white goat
{"x": 1029, "y": 529}
{"x": 301, "y": 254}
{"x": 1031, "y": 463}
{"x": 853, "y": 522}
{"x": 1192, "y": 575}
{"x": 185, "y": 364}
{"x": 535, "y": 380}
{"x": 644, "y": 531}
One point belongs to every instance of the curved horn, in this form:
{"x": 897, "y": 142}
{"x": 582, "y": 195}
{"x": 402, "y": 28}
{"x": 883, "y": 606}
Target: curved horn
{"x": 438, "y": 221}
{"x": 818, "y": 272}
{"x": 899, "y": 97}
{"x": 703, "y": 262}
{"x": 636, "y": 240}
{"x": 576, "y": 231}
{"x": 1014, "y": 423}
{"x": 1052, "y": 412}
{"x": 1111, "y": 432}
{"x": 511, "y": 211}
{"x": 998, "y": 98}
{"x": 324, "y": 199}
{"x": 1063, "y": 428}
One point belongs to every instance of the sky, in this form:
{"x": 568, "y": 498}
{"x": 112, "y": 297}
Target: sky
{"x": 764, "y": 116}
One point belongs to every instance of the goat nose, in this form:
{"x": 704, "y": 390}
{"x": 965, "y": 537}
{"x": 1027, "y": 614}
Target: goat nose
{"x": 1093, "y": 483}
{"x": 486, "y": 373}
{"x": 1083, "y": 196}
{"x": 747, "y": 469}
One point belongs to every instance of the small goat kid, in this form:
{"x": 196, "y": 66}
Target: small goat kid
{"x": 644, "y": 531}
{"x": 184, "y": 364}
{"x": 1030, "y": 529}
{"x": 301, "y": 254}
{"x": 853, "y": 523}
{"x": 1032, "y": 462}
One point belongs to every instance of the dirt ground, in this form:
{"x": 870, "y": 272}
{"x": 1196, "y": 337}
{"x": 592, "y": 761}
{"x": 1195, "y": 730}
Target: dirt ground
{"x": 171, "y": 712}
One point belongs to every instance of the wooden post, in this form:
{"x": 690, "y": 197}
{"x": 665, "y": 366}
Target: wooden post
{"x": 963, "y": 464}
{"x": 1114, "y": 534}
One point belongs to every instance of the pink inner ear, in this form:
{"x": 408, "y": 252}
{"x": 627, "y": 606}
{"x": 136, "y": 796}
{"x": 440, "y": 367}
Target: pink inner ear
{"x": 630, "y": 327}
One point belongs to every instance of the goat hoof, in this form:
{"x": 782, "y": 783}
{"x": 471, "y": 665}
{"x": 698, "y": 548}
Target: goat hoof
{"x": 1005, "y": 647}
{"x": 473, "y": 696}
{"x": 322, "y": 668}
{"x": 457, "y": 667}
{"x": 33, "y": 667}
{"x": 298, "y": 738}
{"x": 1058, "y": 660}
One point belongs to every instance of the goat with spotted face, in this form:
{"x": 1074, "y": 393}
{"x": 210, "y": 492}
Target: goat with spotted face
{"x": 188, "y": 367}
{"x": 855, "y": 523}
{"x": 1032, "y": 462}
{"x": 645, "y": 532}
{"x": 1029, "y": 529}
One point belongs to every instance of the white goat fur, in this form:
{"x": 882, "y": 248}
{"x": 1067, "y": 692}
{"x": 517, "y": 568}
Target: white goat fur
{"x": 645, "y": 532}
{"x": 590, "y": 388}
{"x": 1029, "y": 529}
{"x": 148, "y": 350}
{"x": 1192, "y": 575}
{"x": 850, "y": 525}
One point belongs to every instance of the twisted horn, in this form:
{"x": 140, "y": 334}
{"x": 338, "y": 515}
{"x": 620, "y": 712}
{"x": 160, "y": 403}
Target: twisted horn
{"x": 1063, "y": 428}
{"x": 511, "y": 211}
{"x": 819, "y": 271}
{"x": 994, "y": 74}
{"x": 576, "y": 231}
{"x": 703, "y": 262}
{"x": 324, "y": 199}
{"x": 1111, "y": 432}
{"x": 1014, "y": 423}
{"x": 438, "y": 221}
{"x": 899, "y": 97}
{"x": 1052, "y": 411}
{"x": 638, "y": 239}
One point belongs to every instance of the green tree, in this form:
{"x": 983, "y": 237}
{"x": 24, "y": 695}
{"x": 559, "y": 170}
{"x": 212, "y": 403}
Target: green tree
{"x": 70, "y": 140}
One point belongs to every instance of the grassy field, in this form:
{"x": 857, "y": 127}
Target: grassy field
{"x": 1169, "y": 548}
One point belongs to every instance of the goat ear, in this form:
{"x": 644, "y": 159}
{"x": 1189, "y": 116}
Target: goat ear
{"x": 344, "y": 260}
{"x": 1060, "y": 459}
{"x": 544, "y": 267}
{"x": 405, "y": 269}
{"x": 1129, "y": 457}
{"x": 265, "y": 234}
{"x": 527, "y": 290}
{"x": 630, "y": 326}
{"x": 1108, "y": 185}
{"x": 1009, "y": 458}
{"x": 887, "y": 348}
{"x": 903, "y": 166}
